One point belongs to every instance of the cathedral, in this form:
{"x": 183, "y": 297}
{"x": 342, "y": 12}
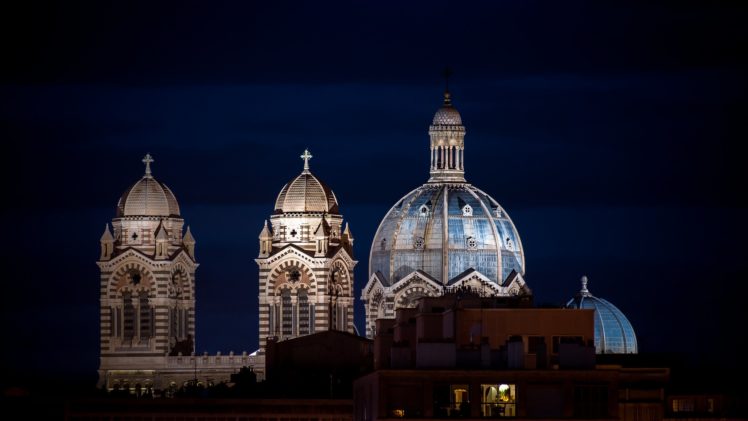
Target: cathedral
{"x": 445, "y": 235}
{"x": 306, "y": 263}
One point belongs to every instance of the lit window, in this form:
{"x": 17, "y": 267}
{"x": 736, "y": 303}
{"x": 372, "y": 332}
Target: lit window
{"x": 498, "y": 400}
{"x": 683, "y": 405}
{"x": 460, "y": 400}
{"x": 398, "y": 413}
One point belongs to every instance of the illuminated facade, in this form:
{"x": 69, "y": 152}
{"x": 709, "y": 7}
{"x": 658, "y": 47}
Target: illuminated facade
{"x": 306, "y": 264}
{"x": 147, "y": 296}
{"x": 444, "y": 234}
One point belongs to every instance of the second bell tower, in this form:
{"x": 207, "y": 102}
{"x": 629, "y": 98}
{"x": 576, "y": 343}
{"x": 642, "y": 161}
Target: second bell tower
{"x": 306, "y": 263}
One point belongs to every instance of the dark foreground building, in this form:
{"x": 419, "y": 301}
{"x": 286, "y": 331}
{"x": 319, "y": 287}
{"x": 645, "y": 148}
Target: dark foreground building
{"x": 463, "y": 356}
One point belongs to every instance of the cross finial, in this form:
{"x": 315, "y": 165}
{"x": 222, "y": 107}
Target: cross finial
{"x": 306, "y": 157}
{"x": 447, "y": 73}
{"x": 147, "y": 161}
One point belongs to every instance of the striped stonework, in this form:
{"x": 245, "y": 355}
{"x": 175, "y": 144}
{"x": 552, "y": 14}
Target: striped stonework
{"x": 147, "y": 305}
{"x": 305, "y": 265}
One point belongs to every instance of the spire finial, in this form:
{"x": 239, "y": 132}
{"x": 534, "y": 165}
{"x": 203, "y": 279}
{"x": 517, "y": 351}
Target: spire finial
{"x": 584, "y": 290}
{"x": 147, "y": 161}
{"x": 306, "y": 157}
{"x": 447, "y": 74}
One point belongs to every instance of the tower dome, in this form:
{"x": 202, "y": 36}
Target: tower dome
{"x": 613, "y": 331}
{"x": 447, "y": 115}
{"x": 148, "y": 197}
{"x": 306, "y": 194}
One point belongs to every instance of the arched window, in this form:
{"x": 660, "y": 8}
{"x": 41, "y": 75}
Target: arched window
{"x": 286, "y": 313}
{"x": 128, "y": 316}
{"x": 342, "y": 317}
{"x": 304, "y": 319}
{"x": 146, "y": 316}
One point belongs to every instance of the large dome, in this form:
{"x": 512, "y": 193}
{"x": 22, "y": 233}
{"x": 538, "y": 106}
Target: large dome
{"x": 148, "y": 197}
{"x": 447, "y": 226}
{"x": 306, "y": 193}
{"x": 613, "y": 331}
{"x": 479, "y": 235}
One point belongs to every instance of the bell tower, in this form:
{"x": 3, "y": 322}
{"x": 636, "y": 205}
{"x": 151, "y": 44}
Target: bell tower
{"x": 306, "y": 263}
{"x": 147, "y": 285}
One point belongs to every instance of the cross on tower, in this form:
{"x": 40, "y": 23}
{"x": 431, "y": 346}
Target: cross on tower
{"x": 147, "y": 161}
{"x": 447, "y": 73}
{"x": 306, "y": 157}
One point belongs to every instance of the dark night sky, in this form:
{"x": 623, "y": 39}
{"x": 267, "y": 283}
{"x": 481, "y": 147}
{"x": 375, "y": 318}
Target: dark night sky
{"x": 608, "y": 131}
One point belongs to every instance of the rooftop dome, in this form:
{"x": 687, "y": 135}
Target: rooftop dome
{"x": 447, "y": 226}
{"x": 148, "y": 197}
{"x": 306, "y": 193}
{"x": 447, "y": 115}
{"x": 480, "y": 235}
{"x": 613, "y": 331}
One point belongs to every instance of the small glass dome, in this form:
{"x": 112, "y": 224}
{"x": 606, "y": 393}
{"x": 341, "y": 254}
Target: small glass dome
{"x": 613, "y": 331}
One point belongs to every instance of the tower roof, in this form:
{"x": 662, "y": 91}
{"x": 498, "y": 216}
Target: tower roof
{"x": 613, "y": 331}
{"x": 306, "y": 193}
{"x": 148, "y": 197}
{"x": 447, "y": 115}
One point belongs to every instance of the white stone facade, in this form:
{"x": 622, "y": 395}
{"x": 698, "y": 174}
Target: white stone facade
{"x": 306, "y": 264}
{"x": 147, "y": 296}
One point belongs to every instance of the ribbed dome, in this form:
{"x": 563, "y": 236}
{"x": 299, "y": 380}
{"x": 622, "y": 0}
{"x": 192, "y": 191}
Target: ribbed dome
{"x": 306, "y": 193}
{"x": 480, "y": 236}
{"x": 613, "y": 331}
{"x": 148, "y": 197}
{"x": 447, "y": 115}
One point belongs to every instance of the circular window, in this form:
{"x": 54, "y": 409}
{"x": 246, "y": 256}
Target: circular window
{"x": 134, "y": 277}
{"x": 294, "y": 275}
{"x": 472, "y": 243}
{"x": 418, "y": 243}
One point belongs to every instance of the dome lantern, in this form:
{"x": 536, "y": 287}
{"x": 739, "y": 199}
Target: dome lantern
{"x": 443, "y": 235}
{"x": 447, "y": 144}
